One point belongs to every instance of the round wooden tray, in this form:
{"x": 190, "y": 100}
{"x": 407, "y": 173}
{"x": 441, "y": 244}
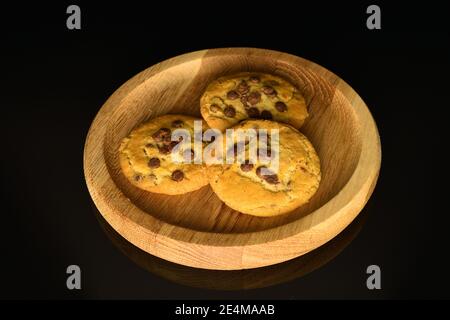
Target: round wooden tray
{"x": 197, "y": 229}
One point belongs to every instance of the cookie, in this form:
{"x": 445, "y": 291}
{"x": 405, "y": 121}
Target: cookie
{"x": 230, "y": 99}
{"x": 256, "y": 188}
{"x": 150, "y": 160}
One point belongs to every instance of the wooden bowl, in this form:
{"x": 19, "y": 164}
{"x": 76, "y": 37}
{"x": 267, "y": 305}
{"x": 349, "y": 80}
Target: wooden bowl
{"x": 197, "y": 229}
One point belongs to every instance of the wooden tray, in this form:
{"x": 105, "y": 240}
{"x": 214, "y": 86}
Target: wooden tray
{"x": 197, "y": 229}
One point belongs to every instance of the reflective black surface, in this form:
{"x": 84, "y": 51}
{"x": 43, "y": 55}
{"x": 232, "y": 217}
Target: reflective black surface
{"x": 236, "y": 279}
{"x": 54, "y": 82}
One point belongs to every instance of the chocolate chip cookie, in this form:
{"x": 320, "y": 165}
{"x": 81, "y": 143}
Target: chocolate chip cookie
{"x": 231, "y": 99}
{"x": 259, "y": 188}
{"x": 154, "y": 158}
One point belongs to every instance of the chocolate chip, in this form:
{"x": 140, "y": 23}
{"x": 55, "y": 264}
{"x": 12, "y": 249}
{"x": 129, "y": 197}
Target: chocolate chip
{"x": 255, "y": 79}
{"x": 254, "y": 98}
{"x": 232, "y": 95}
{"x": 165, "y": 131}
{"x": 258, "y": 172}
{"x": 265, "y": 114}
{"x": 137, "y": 177}
{"x": 242, "y": 87}
{"x": 154, "y": 163}
{"x": 167, "y": 140}
{"x": 172, "y": 145}
{"x": 177, "y": 124}
{"x": 229, "y": 111}
{"x": 281, "y": 106}
{"x": 164, "y": 149}
{"x": 177, "y": 175}
{"x": 253, "y": 112}
{"x": 161, "y": 134}
{"x": 214, "y": 108}
{"x": 149, "y": 145}
{"x": 271, "y": 179}
{"x": 246, "y": 166}
{"x": 269, "y": 91}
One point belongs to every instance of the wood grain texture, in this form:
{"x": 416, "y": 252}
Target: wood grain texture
{"x": 197, "y": 229}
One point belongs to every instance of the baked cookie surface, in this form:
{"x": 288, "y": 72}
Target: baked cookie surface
{"x": 151, "y": 161}
{"x": 230, "y": 99}
{"x": 243, "y": 186}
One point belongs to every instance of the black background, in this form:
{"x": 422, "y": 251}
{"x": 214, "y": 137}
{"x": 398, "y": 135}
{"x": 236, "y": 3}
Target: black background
{"x": 55, "y": 80}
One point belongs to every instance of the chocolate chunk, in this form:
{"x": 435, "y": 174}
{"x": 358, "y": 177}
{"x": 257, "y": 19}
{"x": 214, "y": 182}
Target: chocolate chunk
{"x": 177, "y": 175}
{"x": 172, "y": 145}
{"x": 164, "y": 149}
{"x": 243, "y": 87}
{"x": 149, "y": 145}
{"x": 232, "y": 95}
{"x": 254, "y": 97}
{"x": 271, "y": 179}
{"x": 265, "y": 114}
{"x": 253, "y": 112}
{"x": 137, "y": 177}
{"x": 167, "y": 140}
{"x": 161, "y": 134}
{"x": 214, "y": 108}
{"x": 246, "y": 166}
{"x": 154, "y": 163}
{"x": 269, "y": 91}
{"x": 229, "y": 111}
{"x": 177, "y": 124}
{"x": 255, "y": 79}
{"x": 258, "y": 172}
{"x": 281, "y": 106}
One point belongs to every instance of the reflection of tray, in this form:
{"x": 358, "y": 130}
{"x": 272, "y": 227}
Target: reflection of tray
{"x": 197, "y": 229}
{"x": 236, "y": 279}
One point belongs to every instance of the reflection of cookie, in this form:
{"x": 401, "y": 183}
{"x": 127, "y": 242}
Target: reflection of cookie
{"x": 146, "y": 157}
{"x": 231, "y": 99}
{"x": 245, "y": 188}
